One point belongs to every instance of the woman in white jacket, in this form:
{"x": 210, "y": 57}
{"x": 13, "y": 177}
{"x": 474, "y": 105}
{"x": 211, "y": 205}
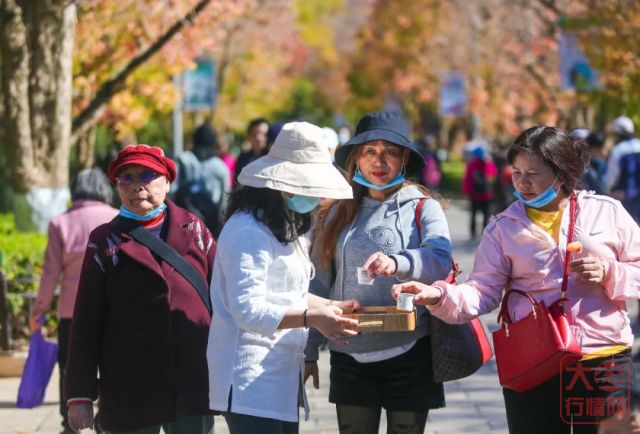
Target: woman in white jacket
{"x": 259, "y": 288}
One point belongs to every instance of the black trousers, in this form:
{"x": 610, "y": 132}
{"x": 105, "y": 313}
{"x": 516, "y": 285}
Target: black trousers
{"x": 243, "y": 423}
{"x": 64, "y": 328}
{"x": 481, "y": 206}
{"x": 586, "y": 395}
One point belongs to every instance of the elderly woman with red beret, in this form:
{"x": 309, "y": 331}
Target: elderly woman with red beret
{"x": 139, "y": 332}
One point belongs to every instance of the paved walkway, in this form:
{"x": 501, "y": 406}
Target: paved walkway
{"x": 474, "y": 404}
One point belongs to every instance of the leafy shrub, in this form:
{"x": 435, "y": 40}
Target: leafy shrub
{"x": 452, "y": 174}
{"x": 21, "y": 257}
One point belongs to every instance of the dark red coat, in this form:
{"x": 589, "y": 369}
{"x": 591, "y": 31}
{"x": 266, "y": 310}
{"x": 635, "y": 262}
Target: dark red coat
{"x": 142, "y": 327}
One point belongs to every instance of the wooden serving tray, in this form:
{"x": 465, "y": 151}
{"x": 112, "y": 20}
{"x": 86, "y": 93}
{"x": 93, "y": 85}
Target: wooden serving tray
{"x": 382, "y": 319}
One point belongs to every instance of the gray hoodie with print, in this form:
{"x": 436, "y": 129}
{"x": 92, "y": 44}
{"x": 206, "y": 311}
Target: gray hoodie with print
{"x": 388, "y": 227}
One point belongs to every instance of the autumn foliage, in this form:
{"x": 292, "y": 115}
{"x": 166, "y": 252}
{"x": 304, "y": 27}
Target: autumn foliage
{"x": 352, "y": 57}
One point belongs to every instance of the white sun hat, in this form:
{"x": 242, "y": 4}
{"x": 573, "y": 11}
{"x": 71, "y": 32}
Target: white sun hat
{"x": 298, "y": 163}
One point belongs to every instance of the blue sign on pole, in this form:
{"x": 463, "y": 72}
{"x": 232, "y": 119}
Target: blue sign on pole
{"x": 199, "y": 86}
{"x": 575, "y": 71}
{"x": 453, "y": 95}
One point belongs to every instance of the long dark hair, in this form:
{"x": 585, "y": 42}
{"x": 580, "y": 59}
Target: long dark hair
{"x": 268, "y": 207}
{"x": 567, "y": 156}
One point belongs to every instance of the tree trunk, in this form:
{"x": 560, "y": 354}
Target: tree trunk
{"x": 14, "y": 52}
{"x": 50, "y": 84}
{"x": 36, "y": 45}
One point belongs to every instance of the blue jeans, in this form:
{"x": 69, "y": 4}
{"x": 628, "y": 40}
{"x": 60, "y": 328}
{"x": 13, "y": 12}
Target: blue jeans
{"x": 245, "y": 424}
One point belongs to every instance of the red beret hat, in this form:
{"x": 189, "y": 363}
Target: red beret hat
{"x": 147, "y": 156}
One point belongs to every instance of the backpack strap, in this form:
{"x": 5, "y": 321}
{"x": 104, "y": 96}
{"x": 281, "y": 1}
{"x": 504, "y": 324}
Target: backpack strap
{"x": 166, "y": 253}
{"x": 455, "y": 269}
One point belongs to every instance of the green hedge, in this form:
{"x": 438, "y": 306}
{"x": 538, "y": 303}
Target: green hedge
{"x": 452, "y": 174}
{"x": 21, "y": 257}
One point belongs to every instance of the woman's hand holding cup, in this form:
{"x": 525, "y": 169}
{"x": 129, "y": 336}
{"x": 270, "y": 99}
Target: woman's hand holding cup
{"x": 379, "y": 264}
{"x": 423, "y": 294}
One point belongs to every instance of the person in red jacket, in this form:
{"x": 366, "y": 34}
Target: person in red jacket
{"x": 138, "y": 324}
{"x": 478, "y": 180}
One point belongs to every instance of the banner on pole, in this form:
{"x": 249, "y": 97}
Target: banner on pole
{"x": 575, "y": 71}
{"x": 453, "y": 95}
{"x": 199, "y": 86}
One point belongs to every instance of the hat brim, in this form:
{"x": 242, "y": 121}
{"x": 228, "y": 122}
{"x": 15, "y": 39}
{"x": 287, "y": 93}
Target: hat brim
{"x": 416, "y": 161}
{"x": 309, "y": 179}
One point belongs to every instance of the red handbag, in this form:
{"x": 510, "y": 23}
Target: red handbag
{"x": 529, "y": 351}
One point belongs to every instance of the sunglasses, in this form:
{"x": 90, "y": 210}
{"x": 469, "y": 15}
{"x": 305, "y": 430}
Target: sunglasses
{"x": 143, "y": 178}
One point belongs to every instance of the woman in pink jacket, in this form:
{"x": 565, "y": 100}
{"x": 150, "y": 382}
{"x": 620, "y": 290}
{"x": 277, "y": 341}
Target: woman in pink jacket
{"x": 68, "y": 236}
{"x": 524, "y": 247}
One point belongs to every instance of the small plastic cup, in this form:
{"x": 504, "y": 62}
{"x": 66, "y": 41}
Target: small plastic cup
{"x": 364, "y": 278}
{"x": 405, "y": 302}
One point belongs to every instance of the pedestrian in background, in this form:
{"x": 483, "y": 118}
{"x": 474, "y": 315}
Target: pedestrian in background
{"x": 68, "y": 234}
{"x": 524, "y": 248}
{"x": 479, "y": 177}
{"x": 203, "y": 180}
{"x": 257, "y": 139}
{"x": 259, "y": 290}
{"x": 593, "y": 178}
{"x": 138, "y": 322}
{"x": 431, "y": 174}
{"x": 363, "y": 246}
{"x": 625, "y": 143}
{"x": 502, "y": 187}
{"x": 272, "y": 134}
{"x": 226, "y": 156}
{"x": 626, "y": 155}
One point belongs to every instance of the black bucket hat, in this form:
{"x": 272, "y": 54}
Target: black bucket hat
{"x": 386, "y": 126}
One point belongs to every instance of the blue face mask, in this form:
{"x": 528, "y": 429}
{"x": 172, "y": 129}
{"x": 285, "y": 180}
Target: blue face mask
{"x": 142, "y": 218}
{"x": 540, "y": 200}
{"x": 360, "y": 179}
{"x": 302, "y": 204}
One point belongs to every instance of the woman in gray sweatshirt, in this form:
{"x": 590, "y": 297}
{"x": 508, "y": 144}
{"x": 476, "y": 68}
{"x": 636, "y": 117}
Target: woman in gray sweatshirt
{"x": 376, "y": 231}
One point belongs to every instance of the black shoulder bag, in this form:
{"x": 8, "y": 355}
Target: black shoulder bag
{"x": 166, "y": 253}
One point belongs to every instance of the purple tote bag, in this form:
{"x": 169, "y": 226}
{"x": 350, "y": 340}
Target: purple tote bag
{"x": 37, "y": 371}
